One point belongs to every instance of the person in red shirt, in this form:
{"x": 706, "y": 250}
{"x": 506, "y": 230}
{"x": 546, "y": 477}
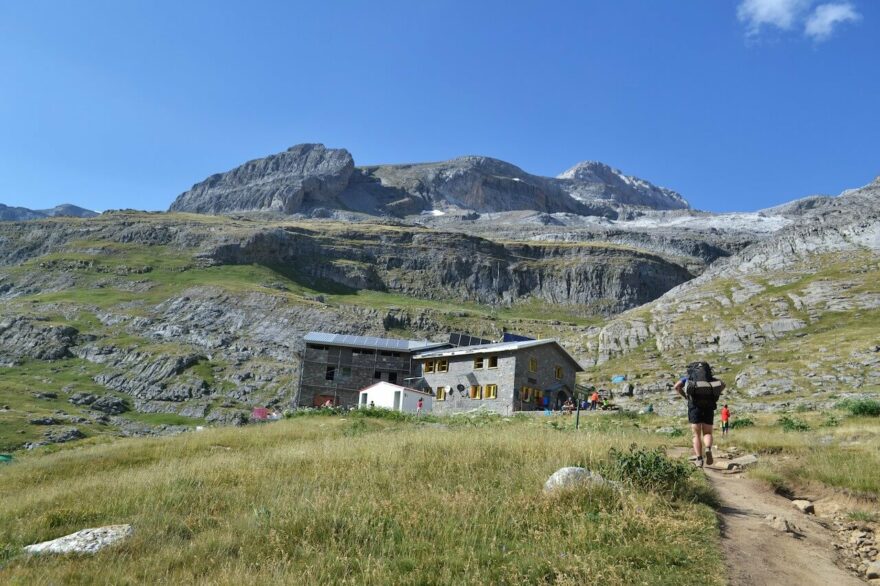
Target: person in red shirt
{"x": 725, "y": 420}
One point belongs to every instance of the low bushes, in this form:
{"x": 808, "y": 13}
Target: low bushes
{"x": 742, "y": 423}
{"x": 648, "y": 469}
{"x": 861, "y": 407}
{"x": 793, "y": 424}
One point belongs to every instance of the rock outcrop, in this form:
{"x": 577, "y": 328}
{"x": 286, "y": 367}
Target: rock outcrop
{"x": 305, "y": 176}
{"x": 23, "y": 337}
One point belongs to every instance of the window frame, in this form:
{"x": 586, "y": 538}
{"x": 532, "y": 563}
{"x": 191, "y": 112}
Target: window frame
{"x": 440, "y": 394}
{"x": 428, "y": 367}
{"x": 491, "y": 360}
{"x": 479, "y": 363}
{"x": 444, "y": 362}
{"x": 533, "y": 364}
{"x": 558, "y": 372}
{"x": 476, "y": 392}
{"x": 490, "y": 392}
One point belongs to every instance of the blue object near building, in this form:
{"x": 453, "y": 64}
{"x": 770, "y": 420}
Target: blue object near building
{"x": 618, "y": 378}
{"x": 508, "y": 337}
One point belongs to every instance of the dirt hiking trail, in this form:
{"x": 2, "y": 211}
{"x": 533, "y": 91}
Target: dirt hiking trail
{"x": 755, "y": 553}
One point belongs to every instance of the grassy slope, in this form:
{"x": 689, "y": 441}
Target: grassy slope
{"x": 838, "y": 452}
{"x": 130, "y": 279}
{"x": 353, "y": 500}
{"x": 828, "y": 341}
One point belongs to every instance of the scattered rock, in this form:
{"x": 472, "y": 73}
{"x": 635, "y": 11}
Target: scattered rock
{"x": 804, "y": 506}
{"x": 83, "y": 398}
{"x": 110, "y": 405}
{"x": 85, "y": 541}
{"x": 780, "y": 524}
{"x": 744, "y": 461}
{"x": 570, "y": 477}
{"x": 46, "y": 396}
{"x": 873, "y": 571}
{"x": 44, "y": 421}
{"x": 62, "y": 436}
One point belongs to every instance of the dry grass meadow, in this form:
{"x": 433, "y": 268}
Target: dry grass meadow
{"x": 356, "y": 500}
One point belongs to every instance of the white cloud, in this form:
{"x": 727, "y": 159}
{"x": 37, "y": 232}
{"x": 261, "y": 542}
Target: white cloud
{"x": 779, "y": 13}
{"x": 826, "y": 17}
{"x": 818, "y": 24}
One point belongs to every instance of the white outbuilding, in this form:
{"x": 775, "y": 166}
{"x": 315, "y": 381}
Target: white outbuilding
{"x": 385, "y": 395}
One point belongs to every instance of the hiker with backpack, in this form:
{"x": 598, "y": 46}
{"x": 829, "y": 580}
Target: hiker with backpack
{"x": 702, "y": 391}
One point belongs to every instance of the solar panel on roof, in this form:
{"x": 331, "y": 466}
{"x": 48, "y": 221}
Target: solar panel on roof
{"x": 368, "y": 341}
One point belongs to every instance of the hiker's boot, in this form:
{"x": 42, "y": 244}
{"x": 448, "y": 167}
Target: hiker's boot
{"x": 698, "y": 462}
{"x": 709, "y": 458}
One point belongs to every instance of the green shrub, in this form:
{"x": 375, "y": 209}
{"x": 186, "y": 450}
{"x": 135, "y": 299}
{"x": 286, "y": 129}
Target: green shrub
{"x": 741, "y": 423}
{"x": 648, "y": 469}
{"x": 793, "y": 424}
{"x": 861, "y": 407}
{"x": 830, "y": 421}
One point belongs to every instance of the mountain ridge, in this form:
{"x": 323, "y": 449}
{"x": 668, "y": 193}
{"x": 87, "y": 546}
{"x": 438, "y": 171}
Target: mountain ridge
{"x": 308, "y": 177}
{"x": 17, "y": 214}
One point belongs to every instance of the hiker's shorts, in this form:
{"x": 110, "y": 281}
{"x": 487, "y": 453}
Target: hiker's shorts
{"x": 701, "y": 415}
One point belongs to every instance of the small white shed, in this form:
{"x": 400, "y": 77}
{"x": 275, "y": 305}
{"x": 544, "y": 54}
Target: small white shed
{"x": 385, "y": 395}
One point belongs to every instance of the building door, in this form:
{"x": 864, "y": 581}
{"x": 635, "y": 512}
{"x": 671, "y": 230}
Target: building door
{"x": 364, "y": 399}
{"x": 561, "y": 398}
{"x": 397, "y": 400}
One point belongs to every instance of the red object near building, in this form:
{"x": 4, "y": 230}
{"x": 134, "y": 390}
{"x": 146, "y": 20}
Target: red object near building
{"x": 260, "y": 414}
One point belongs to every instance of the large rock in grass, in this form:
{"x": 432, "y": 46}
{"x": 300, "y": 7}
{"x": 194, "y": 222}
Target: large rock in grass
{"x": 571, "y": 477}
{"x": 85, "y": 541}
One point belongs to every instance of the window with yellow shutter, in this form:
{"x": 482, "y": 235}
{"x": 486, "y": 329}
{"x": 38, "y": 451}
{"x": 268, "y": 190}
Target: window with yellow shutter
{"x": 491, "y": 392}
{"x": 442, "y": 365}
{"x": 429, "y": 366}
{"x": 533, "y": 365}
{"x": 478, "y": 363}
{"x": 476, "y": 392}
{"x": 558, "y": 372}
{"x": 440, "y": 395}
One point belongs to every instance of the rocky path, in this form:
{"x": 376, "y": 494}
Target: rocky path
{"x": 758, "y": 554}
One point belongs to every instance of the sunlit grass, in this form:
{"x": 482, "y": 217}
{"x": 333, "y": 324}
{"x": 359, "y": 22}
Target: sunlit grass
{"x": 336, "y": 500}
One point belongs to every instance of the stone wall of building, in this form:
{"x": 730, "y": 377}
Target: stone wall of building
{"x": 511, "y": 375}
{"x": 353, "y": 369}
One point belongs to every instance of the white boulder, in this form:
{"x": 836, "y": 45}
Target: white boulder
{"x": 572, "y": 476}
{"x": 85, "y": 541}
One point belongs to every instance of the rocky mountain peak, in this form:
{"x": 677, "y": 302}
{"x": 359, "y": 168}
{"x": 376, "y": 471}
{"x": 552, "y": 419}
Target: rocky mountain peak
{"x": 587, "y": 171}
{"x": 591, "y": 180}
{"x": 303, "y": 176}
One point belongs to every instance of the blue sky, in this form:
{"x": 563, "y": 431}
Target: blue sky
{"x": 737, "y": 104}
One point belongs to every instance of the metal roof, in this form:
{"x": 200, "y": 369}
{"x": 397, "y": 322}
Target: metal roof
{"x": 495, "y": 348}
{"x": 370, "y": 342}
